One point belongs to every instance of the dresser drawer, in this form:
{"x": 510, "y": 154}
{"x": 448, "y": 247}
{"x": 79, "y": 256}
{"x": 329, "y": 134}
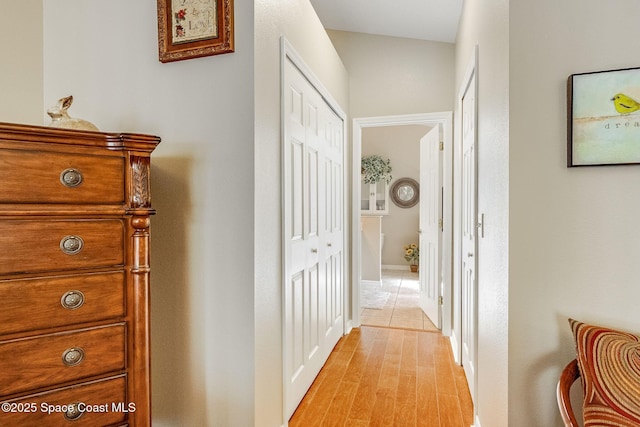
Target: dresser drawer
{"x": 60, "y": 301}
{"x": 49, "y": 177}
{"x": 30, "y": 363}
{"x": 39, "y": 246}
{"x": 104, "y": 403}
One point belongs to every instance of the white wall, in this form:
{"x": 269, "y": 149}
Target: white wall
{"x": 296, "y": 20}
{"x": 392, "y": 76}
{"x": 401, "y": 145}
{"x": 566, "y": 248}
{"x": 21, "y": 64}
{"x": 216, "y": 329}
{"x": 559, "y": 242}
{"x": 105, "y": 54}
{"x": 573, "y": 245}
{"x": 486, "y": 25}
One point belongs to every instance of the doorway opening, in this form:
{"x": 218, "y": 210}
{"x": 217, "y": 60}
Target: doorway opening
{"x": 442, "y": 121}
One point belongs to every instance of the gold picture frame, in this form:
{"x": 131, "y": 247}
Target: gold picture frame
{"x": 194, "y": 28}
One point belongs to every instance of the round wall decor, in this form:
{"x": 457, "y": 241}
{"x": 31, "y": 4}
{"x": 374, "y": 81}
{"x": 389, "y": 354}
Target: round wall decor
{"x": 405, "y": 192}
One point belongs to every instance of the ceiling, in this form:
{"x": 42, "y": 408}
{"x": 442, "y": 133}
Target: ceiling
{"x": 435, "y": 20}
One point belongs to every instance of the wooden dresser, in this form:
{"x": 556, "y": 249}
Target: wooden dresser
{"x": 74, "y": 277}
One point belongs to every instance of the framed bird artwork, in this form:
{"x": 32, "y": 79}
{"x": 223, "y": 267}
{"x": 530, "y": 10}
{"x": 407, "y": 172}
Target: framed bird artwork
{"x": 603, "y": 112}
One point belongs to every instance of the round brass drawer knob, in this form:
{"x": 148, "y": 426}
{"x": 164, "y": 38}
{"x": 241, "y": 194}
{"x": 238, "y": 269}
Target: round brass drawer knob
{"x": 71, "y": 177}
{"x": 72, "y": 300}
{"x": 71, "y": 245}
{"x": 72, "y": 356}
{"x": 73, "y": 412}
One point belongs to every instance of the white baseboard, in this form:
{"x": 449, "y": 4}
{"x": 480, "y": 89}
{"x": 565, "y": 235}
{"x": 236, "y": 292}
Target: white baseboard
{"x": 476, "y": 422}
{"x": 395, "y": 267}
{"x": 371, "y": 282}
{"x": 349, "y": 326}
{"x": 454, "y": 347}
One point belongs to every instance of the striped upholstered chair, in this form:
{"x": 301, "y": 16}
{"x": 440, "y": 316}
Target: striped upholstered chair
{"x": 568, "y": 376}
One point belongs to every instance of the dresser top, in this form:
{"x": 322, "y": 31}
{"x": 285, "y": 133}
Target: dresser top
{"x": 11, "y": 132}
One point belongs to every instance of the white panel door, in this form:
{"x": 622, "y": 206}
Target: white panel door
{"x": 468, "y": 258}
{"x": 313, "y": 233}
{"x": 430, "y": 230}
{"x": 332, "y": 237}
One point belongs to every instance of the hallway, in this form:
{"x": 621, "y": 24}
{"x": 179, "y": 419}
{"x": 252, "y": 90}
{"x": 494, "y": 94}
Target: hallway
{"x": 388, "y": 377}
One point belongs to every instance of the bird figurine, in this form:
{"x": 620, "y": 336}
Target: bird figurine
{"x": 625, "y": 104}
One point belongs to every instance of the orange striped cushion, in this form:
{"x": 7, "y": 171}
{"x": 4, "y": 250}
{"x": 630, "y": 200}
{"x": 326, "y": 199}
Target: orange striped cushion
{"x": 609, "y": 363}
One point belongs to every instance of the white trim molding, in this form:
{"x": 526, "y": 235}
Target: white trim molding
{"x": 445, "y": 119}
{"x": 396, "y": 267}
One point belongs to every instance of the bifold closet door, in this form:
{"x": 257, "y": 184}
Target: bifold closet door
{"x": 313, "y": 233}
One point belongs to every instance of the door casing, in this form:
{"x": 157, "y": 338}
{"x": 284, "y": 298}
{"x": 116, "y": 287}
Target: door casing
{"x": 445, "y": 119}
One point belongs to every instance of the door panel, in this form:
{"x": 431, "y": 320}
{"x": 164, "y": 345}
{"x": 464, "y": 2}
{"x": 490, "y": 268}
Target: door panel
{"x": 430, "y": 231}
{"x": 313, "y": 191}
{"x": 468, "y": 254}
{"x": 312, "y": 302}
{"x": 295, "y": 294}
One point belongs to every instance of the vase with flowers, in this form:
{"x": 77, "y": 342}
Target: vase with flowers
{"x": 412, "y": 255}
{"x": 375, "y": 169}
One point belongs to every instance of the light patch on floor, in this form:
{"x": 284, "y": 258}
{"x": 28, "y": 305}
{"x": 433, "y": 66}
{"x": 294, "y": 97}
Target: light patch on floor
{"x": 394, "y": 303}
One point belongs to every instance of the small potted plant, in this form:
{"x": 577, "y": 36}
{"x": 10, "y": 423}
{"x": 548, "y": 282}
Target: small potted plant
{"x": 412, "y": 255}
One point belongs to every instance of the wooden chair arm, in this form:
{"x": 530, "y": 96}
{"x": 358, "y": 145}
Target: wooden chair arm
{"x": 568, "y": 376}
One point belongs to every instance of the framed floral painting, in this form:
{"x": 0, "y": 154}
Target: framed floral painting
{"x": 194, "y": 28}
{"x": 603, "y": 118}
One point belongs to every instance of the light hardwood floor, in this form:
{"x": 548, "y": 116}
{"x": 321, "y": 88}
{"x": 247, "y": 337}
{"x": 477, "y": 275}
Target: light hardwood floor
{"x": 388, "y": 377}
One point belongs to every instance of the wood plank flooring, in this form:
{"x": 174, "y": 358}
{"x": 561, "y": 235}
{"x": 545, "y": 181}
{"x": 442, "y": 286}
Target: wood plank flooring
{"x": 388, "y": 377}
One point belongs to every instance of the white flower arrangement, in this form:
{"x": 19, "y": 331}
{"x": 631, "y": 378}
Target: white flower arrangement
{"x": 375, "y": 169}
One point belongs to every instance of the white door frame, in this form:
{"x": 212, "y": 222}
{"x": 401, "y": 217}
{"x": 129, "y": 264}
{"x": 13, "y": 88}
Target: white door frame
{"x": 428, "y": 119}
